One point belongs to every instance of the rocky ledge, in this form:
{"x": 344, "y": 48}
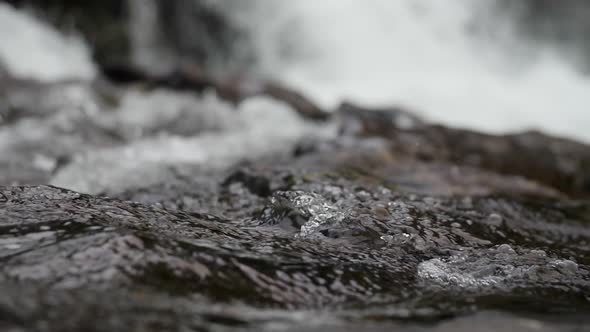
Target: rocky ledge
{"x": 392, "y": 223}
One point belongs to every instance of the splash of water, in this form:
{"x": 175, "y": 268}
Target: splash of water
{"x": 415, "y": 53}
{"x": 421, "y": 55}
{"x": 31, "y": 49}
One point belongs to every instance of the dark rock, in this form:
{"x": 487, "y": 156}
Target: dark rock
{"x": 4, "y": 74}
{"x": 299, "y": 102}
{"x": 194, "y": 79}
{"x": 341, "y": 236}
{"x": 188, "y": 78}
{"x": 202, "y": 32}
{"x": 394, "y": 223}
{"x": 125, "y": 74}
{"x": 555, "y": 162}
{"x": 357, "y": 120}
{"x": 258, "y": 185}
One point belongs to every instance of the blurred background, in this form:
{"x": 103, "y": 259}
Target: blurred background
{"x": 491, "y": 65}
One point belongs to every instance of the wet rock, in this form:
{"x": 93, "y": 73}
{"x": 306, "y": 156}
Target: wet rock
{"x": 228, "y": 223}
{"x": 497, "y": 269}
{"x": 485, "y": 322}
{"x": 195, "y": 79}
{"x": 328, "y": 242}
{"x": 357, "y": 120}
{"x": 296, "y": 100}
{"x": 555, "y": 162}
{"x": 258, "y": 185}
{"x": 316, "y": 215}
{"x": 187, "y": 78}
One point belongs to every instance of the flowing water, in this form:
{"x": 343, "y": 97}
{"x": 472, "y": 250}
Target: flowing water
{"x": 190, "y": 213}
{"x": 423, "y": 55}
{"x": 427, "y": 56}
{"x": 31, "y": 49}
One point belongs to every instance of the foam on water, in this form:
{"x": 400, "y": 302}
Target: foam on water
{"x": 420, "y": 54}
{"x": 31, "y": 49}
{"x": 414, "y": 53}
{"x": 495, "y": 267}
{"x": 259, "y": 127}
{"x": 151, "y": 130}
{"x": 320, "y": 213}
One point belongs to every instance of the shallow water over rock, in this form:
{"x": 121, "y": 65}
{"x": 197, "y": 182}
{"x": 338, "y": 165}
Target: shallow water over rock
{"x": 324, "y": 240}
{"x": 256, "y": 218}
{"x": 143, "y": 199}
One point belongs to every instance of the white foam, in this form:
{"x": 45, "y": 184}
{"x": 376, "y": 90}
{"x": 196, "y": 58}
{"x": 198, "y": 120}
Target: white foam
{"x": 419, "y": 54}
{"x": 495, "y": 267}
{"x": 31, "y": 49}
{"x": 258, "y": 127}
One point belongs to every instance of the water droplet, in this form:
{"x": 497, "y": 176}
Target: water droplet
{"x": 387, "y": 238}
{"x": 566, "y": 266}
{"x": 505, "y": 249}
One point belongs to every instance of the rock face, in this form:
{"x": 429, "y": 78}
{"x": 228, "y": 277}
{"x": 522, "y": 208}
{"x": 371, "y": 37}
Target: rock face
{"x": 394, "y": 223}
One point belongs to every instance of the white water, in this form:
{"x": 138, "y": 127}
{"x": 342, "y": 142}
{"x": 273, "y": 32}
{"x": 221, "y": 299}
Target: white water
{"x": 259, "y": 127}
{"x": 413, "y": 53}
{"x": 418, "y": 54}
{"x": 31, "y": 49}
{"x": 213, "y": 133}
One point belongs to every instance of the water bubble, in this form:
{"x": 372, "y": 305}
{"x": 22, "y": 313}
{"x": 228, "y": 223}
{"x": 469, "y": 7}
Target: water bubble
{"x": 318, "y": 211}
{"x": 565, "y": 266}
{"x": 505, "y": 249}
{"x": 495, "y": 219}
